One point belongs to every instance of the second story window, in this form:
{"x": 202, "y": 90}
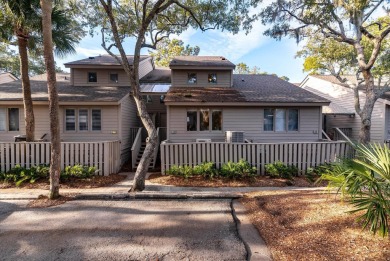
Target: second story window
{"x": 212, "y": 78}
{"x": 192, "y": 79}
{"x": 92, "y": 77}
{"x": 114, "y": 77}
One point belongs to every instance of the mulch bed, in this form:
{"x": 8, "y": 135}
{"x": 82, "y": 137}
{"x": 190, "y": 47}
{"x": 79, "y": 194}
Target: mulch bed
{"x": 312, "y": 225}
{"x": 94, "y": 182}
{"x": 259, "y": 181}
{"x": 45, "y": 202}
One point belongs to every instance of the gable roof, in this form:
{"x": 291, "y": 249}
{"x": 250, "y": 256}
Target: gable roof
{"x": 246, "y": 88}
{"x": 7, "y": 77}
{"x": 12, "y": 91}
{"x": 201, "y": 61}
{"x": 103, "y": 60}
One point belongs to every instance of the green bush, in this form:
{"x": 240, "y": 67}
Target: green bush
{"x": 206, "y": 169}
{"x": 279, "y": 169}
{"x": 239, "y": 169}
{"x": 313, "y": 174}
{"x": 78, "y": 171}
{"x": 365, "y": 181}
{"x": 19, "y": 175}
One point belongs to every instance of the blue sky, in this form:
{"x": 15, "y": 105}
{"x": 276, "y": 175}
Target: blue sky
{"x": 254, "y": 49}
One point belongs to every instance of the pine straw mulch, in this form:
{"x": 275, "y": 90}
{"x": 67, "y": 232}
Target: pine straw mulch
{"x": 44, "y": 202}
{"x": 258, "y": 181}
{"x": 93, "y": 182}
{"x": 312, "y": 225}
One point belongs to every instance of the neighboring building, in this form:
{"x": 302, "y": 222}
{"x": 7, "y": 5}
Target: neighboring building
{"x": 341, "y": 111}
{"x": 7, "y": 77}
{"x": 206, "y": 100}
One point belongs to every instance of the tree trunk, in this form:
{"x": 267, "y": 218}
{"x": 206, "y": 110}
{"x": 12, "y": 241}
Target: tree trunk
{"x": 55, "y": 157}
{"x": 366, "y": 112}
{"x": 27, "y": 100}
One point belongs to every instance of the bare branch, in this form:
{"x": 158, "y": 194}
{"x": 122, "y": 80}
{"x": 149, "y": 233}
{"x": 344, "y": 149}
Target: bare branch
{"x": 371, "y": 11}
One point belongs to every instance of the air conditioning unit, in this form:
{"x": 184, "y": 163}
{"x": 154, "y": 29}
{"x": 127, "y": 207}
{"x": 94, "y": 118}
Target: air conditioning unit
{"x": 234, "y": 136}
{"x": 203, "y": 140}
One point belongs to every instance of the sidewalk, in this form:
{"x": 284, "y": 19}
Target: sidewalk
{"x": 152, "y": 191}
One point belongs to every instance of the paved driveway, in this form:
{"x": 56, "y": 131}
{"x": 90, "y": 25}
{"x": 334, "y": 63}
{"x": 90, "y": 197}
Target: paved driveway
{"x": 120, "y": 230}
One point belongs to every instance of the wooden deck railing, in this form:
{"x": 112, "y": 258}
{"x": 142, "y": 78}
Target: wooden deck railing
{"x": 105, "y": 155}
{"x": 300, "y": 154}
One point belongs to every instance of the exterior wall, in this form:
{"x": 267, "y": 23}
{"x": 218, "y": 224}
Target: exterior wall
{"x": 158, "y": 109}
{"x": 387, "y": 129}
{"x": 110, "y": 125}
{"x": 345, "y": 98}
{"x": 80, "y": 75}
{"x": 180, "y": 78}
{"x": 128, "y": 119}
{"x": 247, "y": 119}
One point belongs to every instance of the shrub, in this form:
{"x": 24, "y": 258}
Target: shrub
{"x": 184, "y": 171}
{"x": 313, "y": 174}
{"x": 365, "y": 180}
{"x": 239, "y": 169}
{"x": 279, "y": 169}
{"x": 19, "y": 175}
{"x": 78, "y": 171}
{"x": 206, "y": 169}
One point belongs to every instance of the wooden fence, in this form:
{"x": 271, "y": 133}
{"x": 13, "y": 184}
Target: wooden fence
{"x": 105, "y": 156}
{"x": 301, "y": 154}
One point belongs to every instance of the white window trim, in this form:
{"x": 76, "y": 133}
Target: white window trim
{"x": 7, "y": 129}
{"x": 75, "y": 120}
{"x": 101, "y": 119}
{"x": 88, "y": 119}
{"x": 210, "y": 120}
{"x": 77, "y": 126}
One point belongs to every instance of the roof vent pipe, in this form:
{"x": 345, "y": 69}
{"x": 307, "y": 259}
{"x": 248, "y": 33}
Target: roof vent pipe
{"x": 91, "y": 58}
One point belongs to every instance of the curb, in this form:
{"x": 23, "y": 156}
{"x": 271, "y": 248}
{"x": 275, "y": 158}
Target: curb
{"x": 256, "y": 248}
{"x": 167, "y": 196}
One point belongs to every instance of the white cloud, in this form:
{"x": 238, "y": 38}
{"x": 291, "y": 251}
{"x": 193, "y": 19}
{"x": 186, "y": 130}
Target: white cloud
{"x": 89, "y": 52}
{"x": 233, "y": 46}
{"x": 185, "y": 36}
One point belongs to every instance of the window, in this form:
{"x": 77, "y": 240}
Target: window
{"x": 192, "y": 78}
{"x": 96, "y": 120}
{"x": 281, "y": 120}
{"x": 70, "y": 120}
{"x": 147, "y": 98}
{"x": 13, "y": 119}
{"x": 92, "y": 77}
{"x": 293, "y": 119}
{"x": 114, "y": 77}
{"x": 3, "y": 119}
{"x": 206, "y": 119}
{"x": 12, "y": 122}
{"x": 83, "y": 120}
{"x": 216, "y": 123}
{"x": 212, "y": 78}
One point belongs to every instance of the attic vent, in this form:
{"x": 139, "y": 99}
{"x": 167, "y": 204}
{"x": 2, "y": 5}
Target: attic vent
{"x": 223, "y": 58}
{"x": 242, "y": 79}
{"x": 91, "y": 58}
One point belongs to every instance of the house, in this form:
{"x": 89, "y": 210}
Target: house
{"x": 197, "y": 99}
{"x": 206, "y": 100}
{"x": 341, "y": 111}
{"x": 7, "y": 77}
{"x": 94, "y": 99}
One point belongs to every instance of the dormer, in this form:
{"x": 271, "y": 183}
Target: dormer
{"x": 201, "y": 71}
{"x": 105, "y": 70}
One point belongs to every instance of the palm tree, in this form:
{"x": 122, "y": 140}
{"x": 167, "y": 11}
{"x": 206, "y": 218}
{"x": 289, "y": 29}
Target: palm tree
{"x": 22, "y": 21}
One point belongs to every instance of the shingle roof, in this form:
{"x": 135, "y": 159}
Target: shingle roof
{"x": 12, "y": 91}
{"x": 158, "y": 75}
{"x": 6, "y": 77}
{"x": 246, "y": 88}
{"x": 195, "y": 61}
{"x": 103, "y": 60}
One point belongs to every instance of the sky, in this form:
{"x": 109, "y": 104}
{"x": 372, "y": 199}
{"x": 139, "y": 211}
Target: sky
{"x": 254, "y": 49}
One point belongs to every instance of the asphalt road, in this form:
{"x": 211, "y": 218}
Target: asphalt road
{"x": 120, "y": 230}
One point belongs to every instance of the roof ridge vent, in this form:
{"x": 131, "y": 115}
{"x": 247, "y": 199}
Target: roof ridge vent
{"x": 242, "y": 79}
{"x": 91, "y": 57}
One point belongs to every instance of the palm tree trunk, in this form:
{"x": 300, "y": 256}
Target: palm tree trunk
{"x": 27, "y": 100}
{"x": 55, "y": 160}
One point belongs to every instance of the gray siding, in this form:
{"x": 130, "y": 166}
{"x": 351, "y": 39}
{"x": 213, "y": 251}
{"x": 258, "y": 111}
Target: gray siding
{"x": 247, "y": 119}
{"x": 128, "y": 119}
{"x": 80, "y": 75}
{"x": 180, "y": 78}
{"x": 345, "y": 98}
{"x": 7, "y": 136}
